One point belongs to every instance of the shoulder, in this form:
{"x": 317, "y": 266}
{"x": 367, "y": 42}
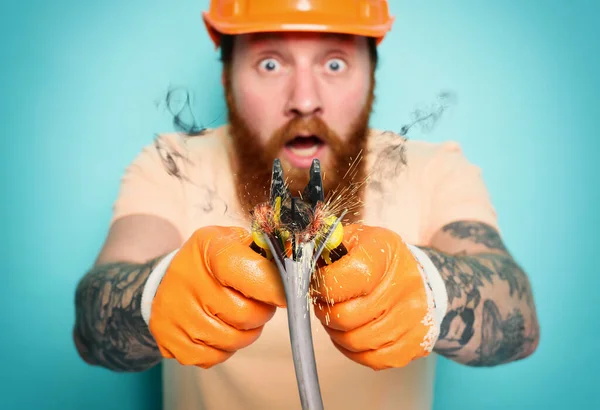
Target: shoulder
{"x": 176, "y": 150}
{"x": 205, "y": 141}
{"x": 390, "y": 153}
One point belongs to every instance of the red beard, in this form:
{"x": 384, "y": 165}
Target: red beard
{"x": 345, "y": 174}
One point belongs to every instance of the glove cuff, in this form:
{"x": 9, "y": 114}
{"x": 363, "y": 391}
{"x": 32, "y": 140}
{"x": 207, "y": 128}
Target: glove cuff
{"x": 152, "y": 284}
{"x": 435, "y": 288}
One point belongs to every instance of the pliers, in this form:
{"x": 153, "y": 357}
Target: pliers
{"x": 296, "y": 255}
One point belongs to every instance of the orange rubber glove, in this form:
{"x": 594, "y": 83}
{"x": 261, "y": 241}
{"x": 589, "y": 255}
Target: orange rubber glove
{"x": 214, "y": 297}
{"x": 376, "y": 302}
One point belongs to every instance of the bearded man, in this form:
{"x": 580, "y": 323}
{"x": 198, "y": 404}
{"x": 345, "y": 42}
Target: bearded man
{"x": 426, "y": 271}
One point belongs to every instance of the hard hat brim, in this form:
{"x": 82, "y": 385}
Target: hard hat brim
{"x": 300, "y": 23}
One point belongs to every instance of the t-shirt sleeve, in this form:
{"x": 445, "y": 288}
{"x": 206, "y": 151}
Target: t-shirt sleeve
{"x": 150, "y": 186}
{"x": 456, "y": 191}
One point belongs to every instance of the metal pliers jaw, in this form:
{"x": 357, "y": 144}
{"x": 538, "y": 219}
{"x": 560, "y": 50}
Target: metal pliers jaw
{"x": 294, "y": 214}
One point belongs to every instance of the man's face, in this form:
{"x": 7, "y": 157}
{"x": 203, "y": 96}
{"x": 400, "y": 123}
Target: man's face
{"x": 298, "y": 97}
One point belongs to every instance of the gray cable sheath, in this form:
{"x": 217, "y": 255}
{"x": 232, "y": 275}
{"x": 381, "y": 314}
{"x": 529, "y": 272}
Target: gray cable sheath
{"x": 296, "y": 276}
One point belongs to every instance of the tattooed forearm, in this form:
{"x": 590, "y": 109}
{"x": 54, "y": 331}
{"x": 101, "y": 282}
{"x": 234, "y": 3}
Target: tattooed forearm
{"x": 109, "y": 328}
{"x": 491, "y": 317}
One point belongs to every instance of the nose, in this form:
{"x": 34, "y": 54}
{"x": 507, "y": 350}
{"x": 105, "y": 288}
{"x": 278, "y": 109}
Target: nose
{"x": 304, "y": 99}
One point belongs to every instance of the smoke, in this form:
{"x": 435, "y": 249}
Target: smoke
{"x": 178, "y": 102}
{"x": 428, "y": 117}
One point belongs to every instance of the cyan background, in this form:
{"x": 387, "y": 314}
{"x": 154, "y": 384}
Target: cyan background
{"x": 79, "y": 81}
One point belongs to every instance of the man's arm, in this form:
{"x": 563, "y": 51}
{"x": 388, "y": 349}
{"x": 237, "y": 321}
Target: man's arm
{"x": 491, "y": 317}
{"x": 109, "y": 329}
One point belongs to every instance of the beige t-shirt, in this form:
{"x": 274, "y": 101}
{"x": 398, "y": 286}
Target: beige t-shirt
{"x": 188, "y": 181}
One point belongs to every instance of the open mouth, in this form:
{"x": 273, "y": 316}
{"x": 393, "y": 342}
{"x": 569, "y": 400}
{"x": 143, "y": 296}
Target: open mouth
{"x": 305, "y": 146}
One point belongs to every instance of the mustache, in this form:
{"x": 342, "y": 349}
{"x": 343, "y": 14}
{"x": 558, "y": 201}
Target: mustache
{"x": 309, "y": 126}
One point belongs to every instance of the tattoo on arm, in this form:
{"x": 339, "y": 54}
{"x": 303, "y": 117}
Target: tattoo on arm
{"x": 491, "y": 317}
{"x": 477, "y": 233}
{"x": 109, "y": 329}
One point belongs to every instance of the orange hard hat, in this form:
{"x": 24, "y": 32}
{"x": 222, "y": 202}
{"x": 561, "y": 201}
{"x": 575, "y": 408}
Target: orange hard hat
{"x": 369, "y": 18}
